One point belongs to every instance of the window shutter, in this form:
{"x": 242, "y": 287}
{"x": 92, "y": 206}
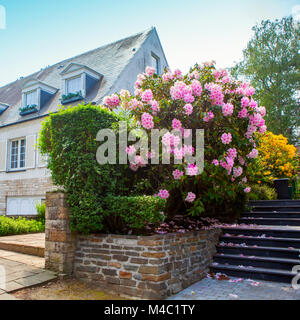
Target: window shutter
{"x": 30, "y": 151}
{"x": 3, "y": 155}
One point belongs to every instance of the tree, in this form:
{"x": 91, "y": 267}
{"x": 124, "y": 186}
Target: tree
{"x": 271, "y": 63}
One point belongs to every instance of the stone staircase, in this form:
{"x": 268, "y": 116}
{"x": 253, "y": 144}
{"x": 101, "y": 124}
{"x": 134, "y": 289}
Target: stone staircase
{"x": 266, "y": 246}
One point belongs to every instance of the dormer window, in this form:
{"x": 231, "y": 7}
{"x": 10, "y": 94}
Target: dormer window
{"x": 3, "y": 107}
{"x": 35, "y": 94}
{"x": 77, "y": 80}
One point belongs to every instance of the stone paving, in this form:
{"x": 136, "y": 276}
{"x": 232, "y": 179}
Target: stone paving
{"x": 18, "y": 271}
{"x": 32, "y": 244}
{"x": 213, "y": 289}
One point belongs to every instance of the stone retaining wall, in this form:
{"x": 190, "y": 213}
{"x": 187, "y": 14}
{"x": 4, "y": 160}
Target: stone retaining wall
{"x": 147, "y": 267}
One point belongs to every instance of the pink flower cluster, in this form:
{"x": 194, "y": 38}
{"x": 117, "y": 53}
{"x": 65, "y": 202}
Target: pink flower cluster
{"x": 147, "y": 95}
{"x": 112, "y": 101}
{"x": 163, "y": 194}
{"x": 226, "y": 138}
{"x": 253, "y": 154}
{"x": 208, "y": 116}
{"x": 190, "y": 197}
{"x": 188, "y": 108}
{"x": 216, "y": 94}
{"x": 177, "y": 174}
{"x": 147, "y": 121}
{"x": 227, "y": 109}
{"x": 176, "y": 124}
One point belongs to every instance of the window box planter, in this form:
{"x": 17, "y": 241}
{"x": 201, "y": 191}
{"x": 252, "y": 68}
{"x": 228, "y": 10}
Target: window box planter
{"x": 71, "y": 97}
{"x": 28, "y": 110}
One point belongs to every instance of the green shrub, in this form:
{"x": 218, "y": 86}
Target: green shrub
{"x": 41, "y": 210}
{"x": 131, "y": 213}
{"x": 11, "y": 226}
{"x": 262, "y": 192}
{"x": 69, "y": 139}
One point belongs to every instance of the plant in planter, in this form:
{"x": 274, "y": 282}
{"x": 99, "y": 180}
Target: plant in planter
{"x": 28, "y": 109}
{"x": 70, "y": 97}
{"x": 204, "y": 98}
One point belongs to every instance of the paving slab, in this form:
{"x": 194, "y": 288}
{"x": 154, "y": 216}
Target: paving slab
{"x": 6, "y": 296}
{"x": 32, "y": 244}
{"x": 247, "y": 289}
{"x": 20, "y": 271}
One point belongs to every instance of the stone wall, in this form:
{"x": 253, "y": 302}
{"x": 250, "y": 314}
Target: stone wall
{"x": 147, "y": 267}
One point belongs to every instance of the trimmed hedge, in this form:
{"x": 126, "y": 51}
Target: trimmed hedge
{"x": 129, "y": 214}
{"x": 11, "y": 226}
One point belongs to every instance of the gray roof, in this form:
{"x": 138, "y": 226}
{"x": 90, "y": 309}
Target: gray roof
{"x": 109, "y": 60}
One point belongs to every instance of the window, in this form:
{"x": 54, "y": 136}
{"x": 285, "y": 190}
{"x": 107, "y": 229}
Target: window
{"x": 73, "y": 85}
{"x": 31, "y": 98}
{"x": 155, "y": 63}
{"x": 17, "y": 154}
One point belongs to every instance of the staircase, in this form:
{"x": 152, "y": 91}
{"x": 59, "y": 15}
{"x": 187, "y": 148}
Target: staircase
{"x": 267, "y": 244}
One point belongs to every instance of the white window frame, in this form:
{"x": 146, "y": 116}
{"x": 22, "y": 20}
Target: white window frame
{"x": 36, "y": 97}
{"x": 18, "y": 160}
{"x": 79, "y": 77}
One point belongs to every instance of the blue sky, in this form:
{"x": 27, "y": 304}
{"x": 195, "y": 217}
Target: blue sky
{"x": 40, "y": 33}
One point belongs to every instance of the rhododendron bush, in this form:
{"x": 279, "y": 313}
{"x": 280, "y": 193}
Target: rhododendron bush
{"x": 204, "y": 98}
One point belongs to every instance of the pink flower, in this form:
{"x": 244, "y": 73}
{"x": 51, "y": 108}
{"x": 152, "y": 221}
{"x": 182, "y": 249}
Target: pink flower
{"x": 247, "y": 190}
{"x": 190, "y": 197}
{"x": 243, "y": 113}
{"x": 154, "y": 105}
{"x": 112, "y": 101}
{"x": 163, "y": 194}
{"x": 249, "y": 91}
{"x": 245, "y": 102}
{"x": 130, "y": 150}
{"x": 227, "y": 109}
{"x": 253, "y": 104}
{"x": 192, "y": 170}
{"x": 150, "y": 71}
{"x": 170, "y": 140}
{"x": 176, "y": 124}
{"x": 262, "y": 129}
{"x": 241, "y": 160}
{"x": 237, "y": 171}
{"x": 188, "y": 108}
{"x": 253, "y": 154}
{"x": 232, "y": 153}
{"x": 226, "y": 138}
{"x": 197, "y": 89}
{"x": 245, "y": 180}
{"x": 147, "y": 121}
{"x": 124, "y": 93}
{"x": 177, "y": 174}
{"x": 208, "y": 116}
{"x": 188, "y": 98}
{"x": 147, "y": 95}
{"x": 215, "y": 162}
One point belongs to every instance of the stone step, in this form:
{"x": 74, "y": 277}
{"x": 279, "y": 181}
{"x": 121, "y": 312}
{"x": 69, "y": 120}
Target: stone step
{"x": 293, "y": 208}
{"x": 270, "y": 221}
{"x": 32, "y": 250}
{"x": 259, "y": 262}
{"x": 265, "y": 242}
{"x": 274, "y": 203}
{"x": 272, "y": 214}
{"x": 261, "y": 251}
{"x": 255, "y": 273}
{"x": 276, "y": 232}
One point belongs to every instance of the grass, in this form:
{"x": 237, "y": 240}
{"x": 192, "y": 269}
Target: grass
{"x": 12, "y": 226}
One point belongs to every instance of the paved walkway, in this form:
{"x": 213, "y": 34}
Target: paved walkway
{"x": 213, "y": 289}
{"x": 18, "y": 271}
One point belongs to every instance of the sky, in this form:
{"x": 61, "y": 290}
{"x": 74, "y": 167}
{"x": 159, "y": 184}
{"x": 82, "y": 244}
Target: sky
{"x": 41, "y": 33}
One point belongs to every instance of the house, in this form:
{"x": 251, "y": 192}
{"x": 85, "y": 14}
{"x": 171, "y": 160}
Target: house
{"x": 24, "y": 104}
